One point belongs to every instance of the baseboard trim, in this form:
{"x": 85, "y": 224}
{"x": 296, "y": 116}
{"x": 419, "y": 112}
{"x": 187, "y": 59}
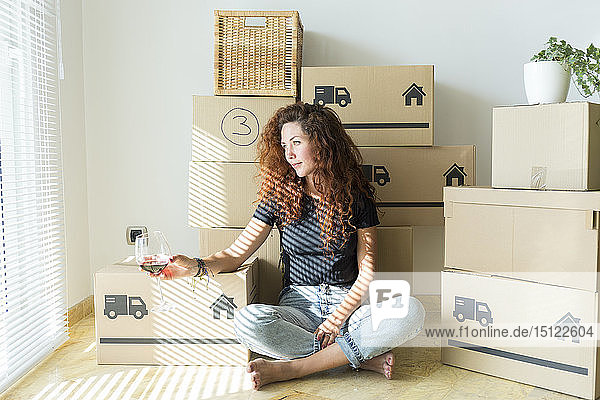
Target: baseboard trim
{"x": 80, "y": 310}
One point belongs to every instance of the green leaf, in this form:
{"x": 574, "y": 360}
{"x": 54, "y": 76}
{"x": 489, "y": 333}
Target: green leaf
{"x": 584, "y": 65}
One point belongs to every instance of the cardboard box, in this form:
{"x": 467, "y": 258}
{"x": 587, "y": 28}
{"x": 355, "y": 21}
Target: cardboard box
{"x": 395, "y": 249}
{"x": 479, "y": 304}
{"x": 428, "y": 259}
{"x": 222, "y": 194}
{"x": 409, "y": 180}
{"x": 227, "y": 128}
{"x": 395, "y": 253}
{"x": 545, "y": 236}
{"x": 270, "y": 278}
{"x": 379, "y": 106}
{"x": 199, "y": 331}
{"x": 551, "y": 146}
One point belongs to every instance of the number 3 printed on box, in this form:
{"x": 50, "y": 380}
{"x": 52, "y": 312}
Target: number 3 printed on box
{"x": 240, "y": 126}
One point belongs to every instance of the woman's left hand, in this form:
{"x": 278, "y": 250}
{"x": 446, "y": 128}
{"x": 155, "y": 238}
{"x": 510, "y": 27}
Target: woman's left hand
{"x": 327, "y": 332}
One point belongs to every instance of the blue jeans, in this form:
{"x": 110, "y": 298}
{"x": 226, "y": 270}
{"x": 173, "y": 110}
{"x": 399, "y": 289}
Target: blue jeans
{"x": 286, "y": 331}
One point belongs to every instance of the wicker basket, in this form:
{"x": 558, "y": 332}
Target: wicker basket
{"x": 258, "y": 53}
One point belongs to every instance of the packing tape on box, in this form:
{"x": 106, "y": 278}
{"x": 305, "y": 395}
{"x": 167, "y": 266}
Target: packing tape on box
{"x": 538, "y": 177}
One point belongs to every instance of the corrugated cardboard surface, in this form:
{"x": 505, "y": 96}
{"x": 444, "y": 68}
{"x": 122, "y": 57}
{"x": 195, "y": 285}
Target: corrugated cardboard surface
{"x": 562, "y": 365}
{"x": 270, "y": 278}
{"x": 559, "y": 141}
{"x": 548, "y": 237}
{"x": 428, "y": 259}
{"x": 227, "y": 128}
{"x": 417, "y": 175}
{"x": 221, "y": 194}
{"x": 191, "y": 334}
{"x": 593, "y": 157}
{"x": 524, "y": 198}
{"x": 378, "y": 113}
{"x": 415, "y": 216}
{"x": 395, "y": 249}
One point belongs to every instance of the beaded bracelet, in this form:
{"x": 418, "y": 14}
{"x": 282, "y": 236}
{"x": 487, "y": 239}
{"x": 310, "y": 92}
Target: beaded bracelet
{"x": 202, "y": 269}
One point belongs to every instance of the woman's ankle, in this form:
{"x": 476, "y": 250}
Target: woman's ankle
{"x": 295, "y": 368}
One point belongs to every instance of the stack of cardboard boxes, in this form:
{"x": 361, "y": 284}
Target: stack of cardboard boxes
{"x": 223, "y": 177}
{"x": 254, "y": 76}
{"x": 222, "y": 187}
{"x": 388, "y": 112}
{"x": 527, "y": 260}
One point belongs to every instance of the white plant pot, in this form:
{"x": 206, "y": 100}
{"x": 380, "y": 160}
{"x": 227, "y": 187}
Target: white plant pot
{"x": 546, "y": 82}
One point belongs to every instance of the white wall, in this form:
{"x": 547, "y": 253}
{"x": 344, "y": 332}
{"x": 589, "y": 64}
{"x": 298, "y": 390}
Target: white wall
{"x": 143, "y": 60}
{"x": 74, "y": 155}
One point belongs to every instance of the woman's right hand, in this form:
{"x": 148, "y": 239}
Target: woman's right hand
{"x": 180, "y": 266}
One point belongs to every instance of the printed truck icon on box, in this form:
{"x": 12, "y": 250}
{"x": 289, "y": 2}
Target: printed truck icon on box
{"x": 376, "y": 173}
{"x": 467, "y": 308}
{"x": 121, "y": 304}
{"x": 331, "y": 95}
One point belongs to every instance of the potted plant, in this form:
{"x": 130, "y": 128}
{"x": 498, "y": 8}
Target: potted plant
{"x": 547, "y": 76}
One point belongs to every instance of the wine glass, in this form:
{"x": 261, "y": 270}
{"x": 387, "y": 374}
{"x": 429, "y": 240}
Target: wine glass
{"x": 153, "y": 254}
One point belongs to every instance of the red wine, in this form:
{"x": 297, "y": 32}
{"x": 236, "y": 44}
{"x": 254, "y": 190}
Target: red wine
{"x": 154, "y": 266}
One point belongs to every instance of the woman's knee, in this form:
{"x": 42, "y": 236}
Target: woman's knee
{"x": 397, "y": 331}
{"x": 250, "y": 319}
{"x": 416, "y": 312}
{"x": 414, "y": 320}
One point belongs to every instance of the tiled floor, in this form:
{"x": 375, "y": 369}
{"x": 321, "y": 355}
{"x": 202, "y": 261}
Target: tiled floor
{"x": 72, "y": 373}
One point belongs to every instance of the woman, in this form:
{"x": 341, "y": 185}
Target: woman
{"x": 314, "y": 191}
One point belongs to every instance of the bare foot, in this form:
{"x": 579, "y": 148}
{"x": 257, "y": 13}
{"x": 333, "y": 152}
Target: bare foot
{"x": 263, "y": 372}
{"x": 382, "y": 364}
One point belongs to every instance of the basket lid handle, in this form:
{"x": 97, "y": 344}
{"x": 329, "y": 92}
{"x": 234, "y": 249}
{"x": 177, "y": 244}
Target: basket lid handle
{"x": 255, "y": 22}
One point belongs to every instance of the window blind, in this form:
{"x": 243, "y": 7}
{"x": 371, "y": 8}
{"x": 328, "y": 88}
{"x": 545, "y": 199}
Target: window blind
{"x": 32, "y": 268}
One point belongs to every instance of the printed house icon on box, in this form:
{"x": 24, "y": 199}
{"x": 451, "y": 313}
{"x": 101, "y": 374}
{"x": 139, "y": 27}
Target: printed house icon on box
{"x": 455, "y": 172}
{"x": 413, "y": 92}
{"x": 568, "y": 320}
{"x": 223, "y": 303}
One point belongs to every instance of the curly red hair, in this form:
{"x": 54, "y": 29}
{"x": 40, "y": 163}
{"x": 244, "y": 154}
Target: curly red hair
{"x": 338, "y": 176}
